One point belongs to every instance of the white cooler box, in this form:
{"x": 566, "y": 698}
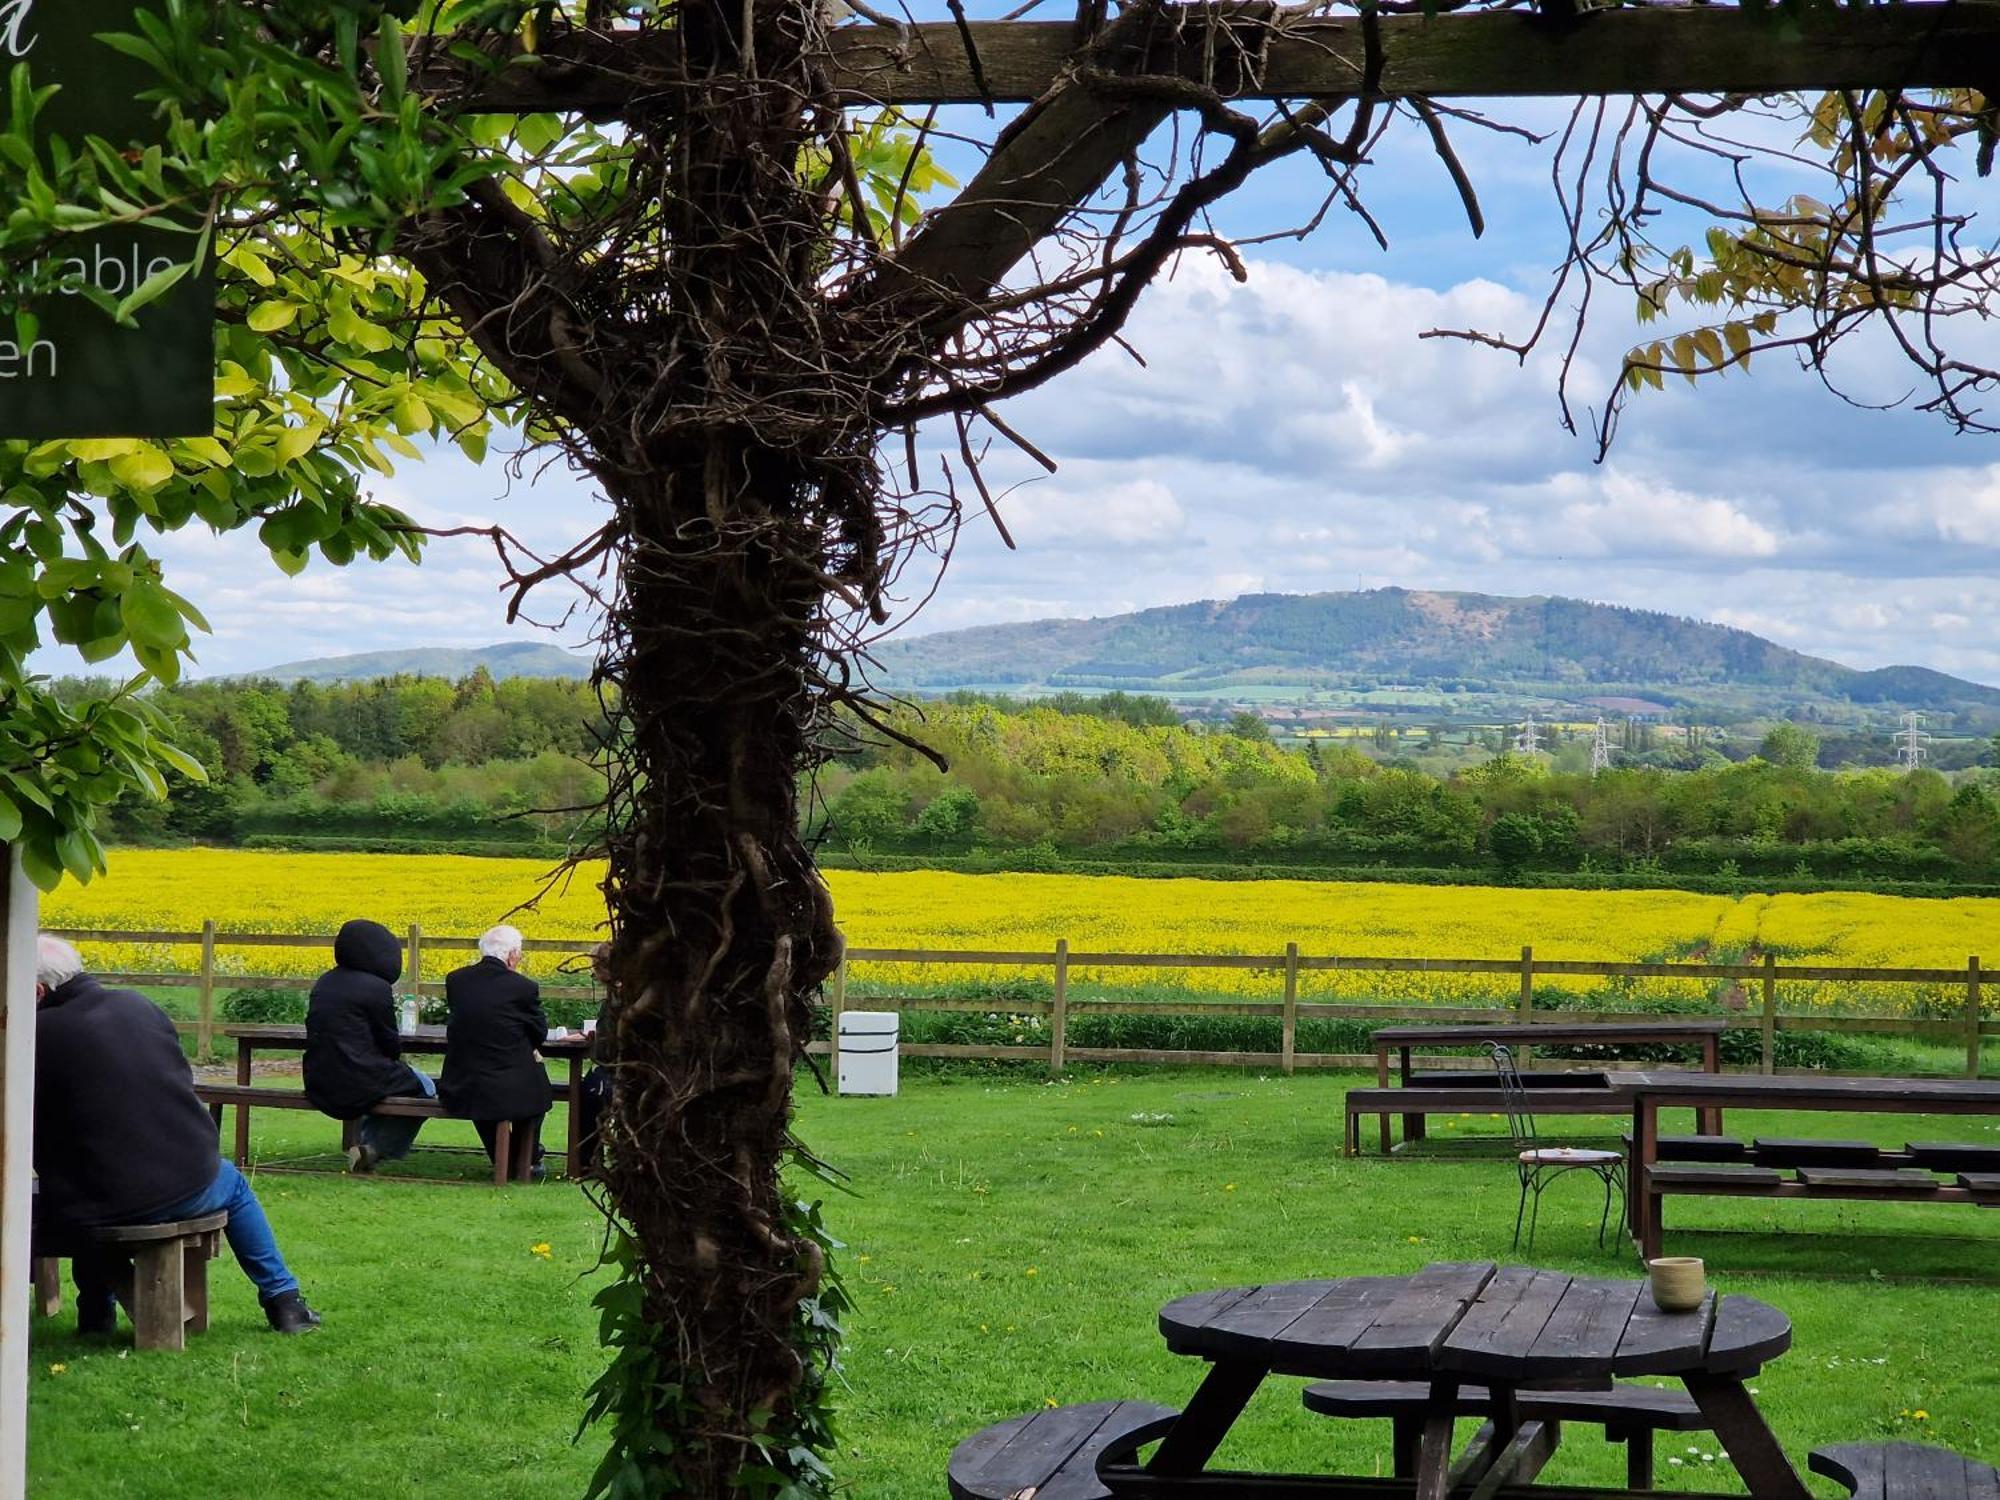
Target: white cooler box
{"x": 868, "y": 1050}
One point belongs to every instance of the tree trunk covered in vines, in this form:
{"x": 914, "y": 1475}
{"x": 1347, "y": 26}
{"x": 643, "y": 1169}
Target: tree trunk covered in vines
{"x": 722, "y": 929}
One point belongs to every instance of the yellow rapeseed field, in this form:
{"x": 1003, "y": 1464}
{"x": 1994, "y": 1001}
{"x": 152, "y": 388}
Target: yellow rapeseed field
{"x": 307, "y": 893}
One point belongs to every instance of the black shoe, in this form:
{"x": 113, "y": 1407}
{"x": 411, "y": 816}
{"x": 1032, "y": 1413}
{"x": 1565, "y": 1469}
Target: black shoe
{"x": 537, "y": 1172}
{"x": 289, "y": 1314}
{"x": 97, "y": 1322}
{"x": 362, "y": 1158}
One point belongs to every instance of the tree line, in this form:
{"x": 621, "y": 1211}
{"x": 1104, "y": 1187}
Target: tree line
{"x": 1096, "y": 784}
{"x": 1117, "y": 779}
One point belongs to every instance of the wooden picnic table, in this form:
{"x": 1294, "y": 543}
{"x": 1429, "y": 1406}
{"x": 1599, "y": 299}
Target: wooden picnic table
{"x": 1699, "y": 1031}
{"x": 277, "y": 1037}
{"x": 1450, "y": 1325}
{"x": 1653, "y": 1091}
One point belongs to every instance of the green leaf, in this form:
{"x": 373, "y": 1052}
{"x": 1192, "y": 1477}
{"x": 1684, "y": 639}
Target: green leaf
{"x": 10, "y": 819}
{"x": 152, "y": 289}
{"x": 151, "y": 618}
{"x": 269, "y": 317}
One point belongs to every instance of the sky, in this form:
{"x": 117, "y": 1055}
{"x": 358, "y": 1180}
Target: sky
{"x": 1294, "y": 434}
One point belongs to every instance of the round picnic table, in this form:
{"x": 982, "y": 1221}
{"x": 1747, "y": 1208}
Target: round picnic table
{"x": 1459, "y": 1324}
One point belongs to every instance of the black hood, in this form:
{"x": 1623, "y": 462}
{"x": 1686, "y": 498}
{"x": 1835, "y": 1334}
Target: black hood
{"x": 371, "y": 948}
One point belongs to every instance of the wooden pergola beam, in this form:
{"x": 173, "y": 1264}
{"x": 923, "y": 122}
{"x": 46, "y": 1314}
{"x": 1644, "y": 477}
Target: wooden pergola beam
{"x": 1705, "y": 50}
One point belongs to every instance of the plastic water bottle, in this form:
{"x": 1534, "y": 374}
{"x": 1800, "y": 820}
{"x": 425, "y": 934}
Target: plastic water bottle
{"x": 409, "y": 1026}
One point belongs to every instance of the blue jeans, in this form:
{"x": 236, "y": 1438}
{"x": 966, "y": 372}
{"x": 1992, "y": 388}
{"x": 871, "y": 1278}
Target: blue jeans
{"x": 249, "y": 1232}
{"x": 391, "y": 1136}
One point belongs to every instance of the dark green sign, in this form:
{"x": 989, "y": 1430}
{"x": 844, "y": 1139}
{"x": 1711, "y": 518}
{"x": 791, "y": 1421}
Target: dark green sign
{"x": 75, "y": 372}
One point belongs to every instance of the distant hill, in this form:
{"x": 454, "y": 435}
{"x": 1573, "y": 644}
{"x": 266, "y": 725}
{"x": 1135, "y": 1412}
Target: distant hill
{"x": 1561, "y": 648}
{"x": 509, "y": 659}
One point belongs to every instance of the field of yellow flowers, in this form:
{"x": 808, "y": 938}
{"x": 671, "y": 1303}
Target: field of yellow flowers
{"x": 253, "y": 891}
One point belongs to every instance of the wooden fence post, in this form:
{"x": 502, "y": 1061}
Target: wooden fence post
{"x": 1059, "y": 1016}
{"x": 838, "y": 1004}
{"x": 1770, "y": 1059}
{"x": 1972, "y": 1016}
{"x": 1527, "y": 1012}
{"x": 204, "y": 1024}
{"x": 415, "y": 968}
{"x": 1288, "y": 1045}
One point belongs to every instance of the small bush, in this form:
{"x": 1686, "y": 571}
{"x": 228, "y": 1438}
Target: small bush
{"x": 265, "y": 1007}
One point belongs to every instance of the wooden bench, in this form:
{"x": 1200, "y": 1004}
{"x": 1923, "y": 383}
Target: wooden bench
{"x": 1906, "y": 1471}
{"x": 1585, "y": 1097}
{"x": 1781, "y": 1167}
{"x": 511, "y": 1160}
{"x": 168, "y": 1295}
{"x": 1629, "y": 1414}
{"x": 1420, "y": 1087}
{"x": 1053, "y": 1454}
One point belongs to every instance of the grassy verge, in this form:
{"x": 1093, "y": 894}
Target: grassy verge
{"x": 1009, "y": 1244}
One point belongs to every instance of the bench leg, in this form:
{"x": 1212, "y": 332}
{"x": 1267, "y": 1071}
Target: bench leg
{"x": 1638, "y": 1458}
{"x": 1408, "y": 1437}
{"x": 195, "y": 1256}
{"x": 48, "y": 1285}
{"x": 159, "y": 1297}
{"x": 243, "y": 1110}
{"x": 503, "y": 1151}
{"x": 523, "y": 1158}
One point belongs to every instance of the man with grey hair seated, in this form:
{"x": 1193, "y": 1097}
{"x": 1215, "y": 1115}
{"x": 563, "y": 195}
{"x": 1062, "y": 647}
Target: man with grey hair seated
{"x": 492, "y": 1071}
{"x": 122, "y": 1138}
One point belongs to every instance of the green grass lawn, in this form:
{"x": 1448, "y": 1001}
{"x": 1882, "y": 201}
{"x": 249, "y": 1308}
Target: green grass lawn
{"x": 1009, "y": 1245}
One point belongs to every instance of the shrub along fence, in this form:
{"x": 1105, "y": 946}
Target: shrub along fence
{"x": 1761, "y": 1039}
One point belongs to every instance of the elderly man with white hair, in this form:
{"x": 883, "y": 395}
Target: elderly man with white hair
{"x": 492, "y": 1071}
{"x": 122, "y": 1138}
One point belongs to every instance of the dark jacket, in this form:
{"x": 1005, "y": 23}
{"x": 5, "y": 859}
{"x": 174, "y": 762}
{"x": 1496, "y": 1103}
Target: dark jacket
{"x": 496, "y": 1023}
{"x": 119, "y": 1133}
{"x": 352, "y": 1046}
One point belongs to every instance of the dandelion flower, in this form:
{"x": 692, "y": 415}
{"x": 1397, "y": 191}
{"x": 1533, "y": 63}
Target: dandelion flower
{"x": 1031, "y": 1271}
{"x": 59, "y": 1369}
{"x": 1920, "y": 1415}
{"x": 1050, "y": 1401}
{"x": 543, "y": 1250}
{"x": 1229, "y": 1187}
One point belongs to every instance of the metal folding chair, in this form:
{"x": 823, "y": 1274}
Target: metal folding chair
{"x": 1540, "y": 1165}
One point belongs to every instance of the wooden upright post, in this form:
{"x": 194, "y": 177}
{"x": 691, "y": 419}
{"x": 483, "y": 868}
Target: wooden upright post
{"x": 837, "y": 1003}
{"x": 204, "y": 1025}
{"x": 1059, "y": 1016}
{"x": 414, "y": 969}
{"x": 1972, "y": 1016}
{"x": 1770, "y": 1012}
{"x": 17, "y": 1090}
{"x": 1525, "y": 1053}
{"x": 1288, "y": 1044}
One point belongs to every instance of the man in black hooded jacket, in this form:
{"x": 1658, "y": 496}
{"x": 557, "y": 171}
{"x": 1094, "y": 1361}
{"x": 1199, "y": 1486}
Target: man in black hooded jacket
{"x": 353, "y": 1059}
{"x": 122, "y": 1138}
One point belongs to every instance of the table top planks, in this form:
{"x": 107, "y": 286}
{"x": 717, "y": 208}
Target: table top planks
{"x": 279, "y": 1035}
{"x": 1476, "y": 1320}
{"x": 1799, "y": 1091}
{"x": 1693, "y": 1029}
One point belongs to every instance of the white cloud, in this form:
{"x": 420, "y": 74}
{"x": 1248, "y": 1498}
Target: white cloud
{"x": 1130, "y": 513}
{"x": 1621, "y": 515}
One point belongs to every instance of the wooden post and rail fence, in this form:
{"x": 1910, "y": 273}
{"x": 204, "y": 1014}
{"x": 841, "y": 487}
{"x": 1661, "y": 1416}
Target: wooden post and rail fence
{"x": 1968, "y": 1028}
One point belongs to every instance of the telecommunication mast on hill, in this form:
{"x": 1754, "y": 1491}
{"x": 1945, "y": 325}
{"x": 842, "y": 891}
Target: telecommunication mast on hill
{"x": 1911, "y": 742}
